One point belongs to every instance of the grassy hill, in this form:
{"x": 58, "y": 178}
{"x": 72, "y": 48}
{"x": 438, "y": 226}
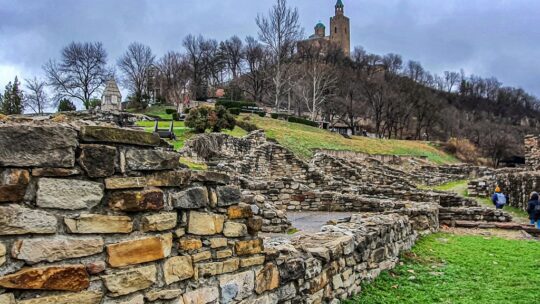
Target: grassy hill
{"x": 302, "y": 140}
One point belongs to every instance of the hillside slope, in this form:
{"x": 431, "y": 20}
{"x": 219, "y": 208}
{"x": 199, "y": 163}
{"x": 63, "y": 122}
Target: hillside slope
{"x": 302, "y": 140}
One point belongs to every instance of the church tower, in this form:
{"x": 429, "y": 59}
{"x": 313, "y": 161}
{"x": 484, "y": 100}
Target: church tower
{"x": 340, "y": 29}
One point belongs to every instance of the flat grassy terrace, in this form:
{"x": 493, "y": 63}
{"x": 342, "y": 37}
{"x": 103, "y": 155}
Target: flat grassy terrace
{"x": 447, "y": 268}
{"x": 302, "y": 140}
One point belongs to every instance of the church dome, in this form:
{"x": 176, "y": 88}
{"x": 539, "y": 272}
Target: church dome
{"x": 319, "y": 25}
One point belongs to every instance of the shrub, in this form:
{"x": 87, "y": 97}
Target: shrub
{"x": 261, "y": 114}
{"x": 170, "y": 111}
{"x": 65, "y": 105}
{"x": 463, "y": 149}
{"x": 247, "y": 126}
{"x": 303, "y": 121}
{"x": 94, "y": 103}
{"x": 235, "y": 111}
{"x": 203, "y": 118}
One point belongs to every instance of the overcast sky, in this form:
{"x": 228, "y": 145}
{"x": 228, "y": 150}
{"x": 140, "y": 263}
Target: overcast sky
{"x": 486, "y": 37}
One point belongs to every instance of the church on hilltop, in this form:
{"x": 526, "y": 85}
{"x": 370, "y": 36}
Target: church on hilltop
{"x": 339, "y": 35}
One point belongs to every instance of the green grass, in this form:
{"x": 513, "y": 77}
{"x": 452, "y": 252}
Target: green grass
{"x": 445, "y": 268}
{"x": 182, "y": 132}
{"x": 193, "y": 165}
{"x": 302, "y": 140}
{"x": 155, "y": 111}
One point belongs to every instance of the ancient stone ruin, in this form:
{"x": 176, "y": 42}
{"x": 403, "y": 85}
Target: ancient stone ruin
{"x": 93, "y": 213}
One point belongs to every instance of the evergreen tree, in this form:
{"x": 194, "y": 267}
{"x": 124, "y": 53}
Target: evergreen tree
{"x": 12, "y": 102}
{"x": 5, "y": 106}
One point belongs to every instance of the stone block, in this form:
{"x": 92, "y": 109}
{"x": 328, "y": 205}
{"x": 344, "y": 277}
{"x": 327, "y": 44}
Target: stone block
{"x": 152, "y": 160}
{"x": 7, "y": 298}
{"x": 55, "y": 172}
{"x": 254, "y": 225}
{"x": 249, "y": 247}
{"x": 224, "y": 254}
{"x": 177, "y": 178}
{"x": 236, "y": 287}
{"x": 118, "y": 136}
{"x": 177, "y": 269}
{"x": 95, "y": 223}
{"x": 64, "y": 278}
{"x": 130, "y": 281}
{"x": 150, "y": 199}
{"x": 13, "y": 184}
{"x": 228, "y": 195}
{"x": 231, "y": 265}
{"x": 139, "y": 251}
{"x": 266, "y": 278}
{"x": 234, "y": 229}
{"x": 137, "y": 299}
{"x": 98, "y": 160}
{"x": 68, "y": 194}
{"x": 2, "y": 254}
{"x": 200, "y": 223}
{"x": 240, "y": 212}
{"x": 193, "y": 198}
{"x": 190, "y": 244}
{"x": 85, "y": 297}
{"x": 203, "y": 295}
{"x": 16, "y": 220}
{"x": 166, "y": 294}
{"x": 218, "y": 242}
{"x": 37, "y": 146}
{"x": 96, "y": 267}
{"x": 59, "y": 248}
{"x": 210, "y": 176}
{"x": 201, "y": 256}
{"x": 159, "y": 222}
{"x": 252, "y": 261}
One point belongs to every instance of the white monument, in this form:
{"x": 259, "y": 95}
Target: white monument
{"x": 111, "y": 100}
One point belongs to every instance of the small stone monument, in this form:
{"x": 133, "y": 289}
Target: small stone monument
{"x": 111, "y": 100}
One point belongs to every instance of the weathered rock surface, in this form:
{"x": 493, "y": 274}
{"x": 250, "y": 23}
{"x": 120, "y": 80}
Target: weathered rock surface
{"x": 201, "y": 296}
{"x": 98, "y": 160}
{"x": 7, "y": 298}
{"x": 139, "y": 251}
{"x": 150, "y": 199}
{"x": 177, "y": 269}
{"x": 193, "y": 198}
{"x": 85, "y": 297}
{"x": 200, "y": 223}
{"x": 37, "y": 146}
{"x": 95, "y": 223}
{"x": 68, "y": 194}
{"x": 66, "y": 278}
{"x": 233, "y": 229}
{"x": 210, "y": 176}
{"x": 159, "y": 222}
{"x": 126, "y": 282}
{"x": 240, "y": 212}
{"x": 138, "y": 299}
{"x": 237, "y": 286}
{"x": 55, "y": 172}
{"x": 55, "y": 249}
{"x": 228, "y": 195}
{"x": 190, "y": 244}
{"x": 2, "y": 254}
{"x": 167, "y": 294}
{"x": 15, "y": 220}
{"x": 118, "y": 136}
{"x": 13, "y": 183}
{"x": 267, "y": 278}
{"x": 160, "y": 179}
{"x": 248, "y": 247}
{"x": 142, "y": 160}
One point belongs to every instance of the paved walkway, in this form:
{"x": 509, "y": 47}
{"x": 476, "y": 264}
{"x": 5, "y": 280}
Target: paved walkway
{"x": 313, "y": 221}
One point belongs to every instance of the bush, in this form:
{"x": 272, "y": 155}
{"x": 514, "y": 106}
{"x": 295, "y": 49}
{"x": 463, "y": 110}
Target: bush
{"x": 170, "y": 111}
{"x": 463, "y": 149}
{"x": 303, "y": 121}
{"x": 94, "y": 103}
{"x": 261, "y": 114}
{"x": 65, "y": 105}
{"x": 203, "y": 118}
{"x": 247, "y": 126}
{"x": 235, "y": 111}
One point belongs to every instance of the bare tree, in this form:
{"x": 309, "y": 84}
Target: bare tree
{"x": 451, "y": 80}
{"x": 280, "y": 31}
{"x": 80, "y": 73}
{"x": 254, "y": 81}
{"x": 175, "y": 75}
{"x": 232, "y": 50}
{"x": 36, "y": 98}
{"x": 136, "y": 64}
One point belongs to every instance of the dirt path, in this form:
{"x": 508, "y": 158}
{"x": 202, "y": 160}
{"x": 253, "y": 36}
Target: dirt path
{"x": 487, "y": 233}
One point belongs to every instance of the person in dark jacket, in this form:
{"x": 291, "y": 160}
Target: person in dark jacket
{"x": 531, "y": 207}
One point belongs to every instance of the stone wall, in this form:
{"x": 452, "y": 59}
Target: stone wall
{"x": 518, "y": 186}
{"x": 532, "y": 151}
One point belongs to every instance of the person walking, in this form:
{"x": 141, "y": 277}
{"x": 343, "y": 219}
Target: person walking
{"x": 537, "y": 215}
{"x": 498, "y": 198}
{"x": 531, "y": 207}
